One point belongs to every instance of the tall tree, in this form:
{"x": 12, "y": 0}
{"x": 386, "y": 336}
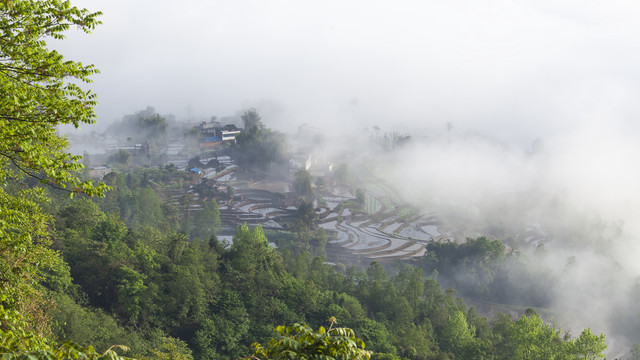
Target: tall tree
{"x": 457, "y": 335}
{"x": 259, "y": 148}
{"x": 39, "y": 90}
{"x": 588, "y": 346}
{"x": 533, "y": 339}
{"x": 206, "y": 221}
{"x": 144, "y": 125}
{"x": 251, "y": 118}
{"x": 302, "y": 184}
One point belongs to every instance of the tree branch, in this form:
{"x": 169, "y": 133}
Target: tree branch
{"x": 30, "y": 174}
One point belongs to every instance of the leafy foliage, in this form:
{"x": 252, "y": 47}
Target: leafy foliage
{"x": 144, "y": 125}
{"x": 39, "y": 90}
{"x": 251, "y": 118}
{"x": 484, "y": 269}
{"x": 18, "y": 343}
{"x": 122, "y": 157}
{"x": 68, "y": 350}
{"x": 257, "y": 147}
{"x": 301, "y": 342}
{"x": 302, "y": 184}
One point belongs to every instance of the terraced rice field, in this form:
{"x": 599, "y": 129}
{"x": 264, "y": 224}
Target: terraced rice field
{"x": 393, "y": 227}
{"x": 354, "y": 237}
{"x": 414, "y": 232}
{"x": 371, "y": 204}
{"x": 383, "y": 240}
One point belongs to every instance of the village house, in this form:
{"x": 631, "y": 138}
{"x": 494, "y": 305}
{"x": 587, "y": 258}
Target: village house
{"x": 213, "y": 134}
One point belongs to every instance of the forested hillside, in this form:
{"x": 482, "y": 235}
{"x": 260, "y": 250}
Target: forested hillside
{"x": 144, "y": 283}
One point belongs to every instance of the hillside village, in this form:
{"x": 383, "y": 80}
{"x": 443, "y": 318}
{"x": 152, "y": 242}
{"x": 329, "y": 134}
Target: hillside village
{"x": 363, "y": 221}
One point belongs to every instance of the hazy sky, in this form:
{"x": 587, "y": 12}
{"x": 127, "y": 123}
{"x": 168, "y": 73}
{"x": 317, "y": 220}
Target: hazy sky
{"x": 514, "y": 69}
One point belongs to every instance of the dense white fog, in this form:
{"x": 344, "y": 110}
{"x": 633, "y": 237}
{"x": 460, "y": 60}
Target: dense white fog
{"x": 579, "y": 189}
{"x": 517, "y": 71}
